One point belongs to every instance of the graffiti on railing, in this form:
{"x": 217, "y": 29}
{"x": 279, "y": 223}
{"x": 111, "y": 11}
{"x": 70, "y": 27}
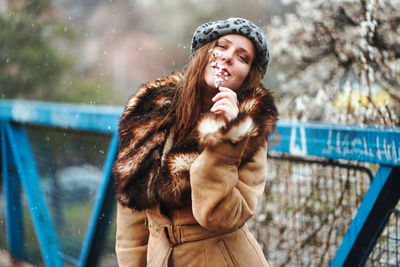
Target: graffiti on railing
{"x": 295, "y": 148}
{"x": 369, "y": 144}
{"x": 382, "y": 148}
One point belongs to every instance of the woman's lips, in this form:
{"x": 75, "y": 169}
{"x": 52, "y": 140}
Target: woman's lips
{"x": 227, "y": 71}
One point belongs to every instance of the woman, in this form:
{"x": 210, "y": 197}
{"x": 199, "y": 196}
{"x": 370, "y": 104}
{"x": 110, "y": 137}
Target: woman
{"x": 192, "y": 155}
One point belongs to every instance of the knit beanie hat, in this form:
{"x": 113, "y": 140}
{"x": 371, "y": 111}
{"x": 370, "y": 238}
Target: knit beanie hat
{"x": 213, "y": 30}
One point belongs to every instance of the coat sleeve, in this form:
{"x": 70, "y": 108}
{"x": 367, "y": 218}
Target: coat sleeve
{"x": 131, "y": 238}
{"x": 225, "y": 196}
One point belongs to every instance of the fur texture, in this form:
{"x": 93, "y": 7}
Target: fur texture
{"x": 149, "y": 170}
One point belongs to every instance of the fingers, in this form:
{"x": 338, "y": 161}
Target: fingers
{"x": 226, "y": 108}
{"x": 226, "y": 89}
{"x": 224, "y": 95}
{"x": 227, "y": 94}
{"x": 221, "y": 104}
{"x": 225, "y": 103}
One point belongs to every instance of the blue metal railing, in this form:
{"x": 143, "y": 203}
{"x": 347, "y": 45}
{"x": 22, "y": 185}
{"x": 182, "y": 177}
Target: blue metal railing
{"x": 364, "y": 144}
{"x": 16, "y": 153}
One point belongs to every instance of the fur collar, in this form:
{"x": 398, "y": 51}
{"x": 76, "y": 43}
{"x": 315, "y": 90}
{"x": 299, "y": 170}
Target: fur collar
{"x": 150, "y": 170}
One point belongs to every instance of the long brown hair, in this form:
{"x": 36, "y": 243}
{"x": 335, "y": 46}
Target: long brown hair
{"x": 187, "y": 106}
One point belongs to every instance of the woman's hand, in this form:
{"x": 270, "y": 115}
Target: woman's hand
{"x": 225, "y": 103}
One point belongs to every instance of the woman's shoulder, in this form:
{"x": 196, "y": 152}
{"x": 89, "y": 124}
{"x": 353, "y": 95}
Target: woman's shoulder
{"x": 154, "y": 94}
{"x": 259, "y": 103}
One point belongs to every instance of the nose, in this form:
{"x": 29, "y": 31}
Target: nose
{"x": 227, "y": 57}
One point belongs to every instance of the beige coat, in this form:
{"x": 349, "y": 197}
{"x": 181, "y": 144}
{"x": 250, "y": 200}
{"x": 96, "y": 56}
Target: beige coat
{"x": 210, "y": 183}
{"x": 213, "y": 231}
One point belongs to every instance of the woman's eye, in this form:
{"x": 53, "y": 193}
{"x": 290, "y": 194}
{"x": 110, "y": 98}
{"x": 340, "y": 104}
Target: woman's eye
{"x": 244, "y": 59}
{"x": 220, "y": 46}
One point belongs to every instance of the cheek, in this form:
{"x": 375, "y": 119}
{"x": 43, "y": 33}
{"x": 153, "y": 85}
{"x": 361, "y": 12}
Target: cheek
{"x": 209, "y": 76}
{"x": 243, "y": 73}
{"x": 207, "y": 72}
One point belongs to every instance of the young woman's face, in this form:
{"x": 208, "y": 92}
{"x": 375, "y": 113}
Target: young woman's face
{"x": 235, "y": 53}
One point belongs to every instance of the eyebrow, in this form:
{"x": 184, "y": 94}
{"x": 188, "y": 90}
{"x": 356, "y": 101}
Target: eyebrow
{"x": 240, "y": 48}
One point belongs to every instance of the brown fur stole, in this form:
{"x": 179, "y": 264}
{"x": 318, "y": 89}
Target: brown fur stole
{"x": 150, "y": 170}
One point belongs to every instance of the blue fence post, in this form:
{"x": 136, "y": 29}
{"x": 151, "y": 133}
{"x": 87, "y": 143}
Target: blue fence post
{"x": 101, "y": 215}
{"x": 371, "y": 218}
{"x": 12, "y": 192}
{"x": 28, "y": 174}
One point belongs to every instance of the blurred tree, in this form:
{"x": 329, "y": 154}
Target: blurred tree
{"x": 33, "y": 61}
{"x": 343, "y": 59}
{"x": 30, "y": 66}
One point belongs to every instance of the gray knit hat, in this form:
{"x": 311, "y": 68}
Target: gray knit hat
{"x": 213, "y": 30}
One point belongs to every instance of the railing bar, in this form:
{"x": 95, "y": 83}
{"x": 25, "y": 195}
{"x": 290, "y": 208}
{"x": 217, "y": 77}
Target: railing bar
{"x": 28, "y": 175}
{"x": 12, "y": 191}
{"x": 69, "y": 259}
{"x": 93, "y": 240}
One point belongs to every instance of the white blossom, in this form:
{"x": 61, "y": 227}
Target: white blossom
{"x": 340, "y": 60}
